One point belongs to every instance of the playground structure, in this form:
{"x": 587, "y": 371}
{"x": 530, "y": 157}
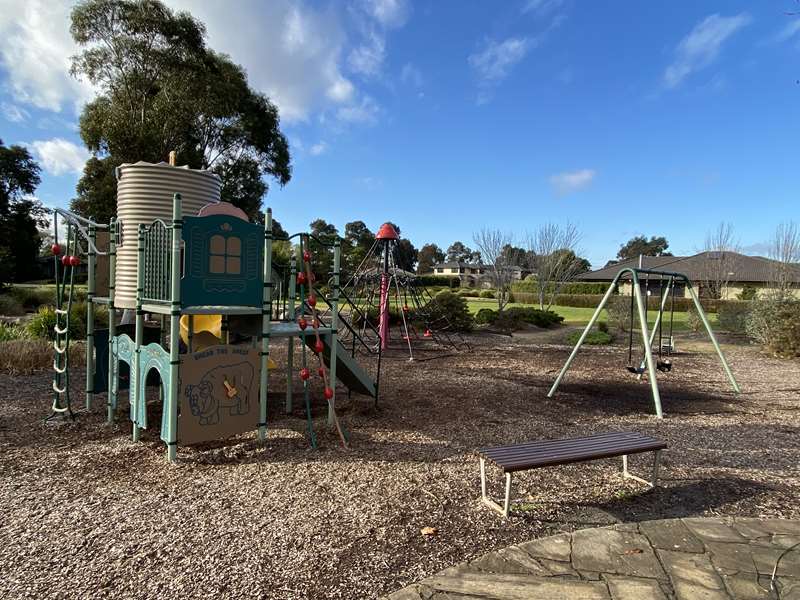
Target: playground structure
{"x": 211, "y": 273}
{"x": 379, "y": 289}
{"x": 651, "y": 361}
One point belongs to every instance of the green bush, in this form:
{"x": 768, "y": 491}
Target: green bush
{"x": 453, "y": 307}
{"x": 43, "y": 323}
{"x": 12, "y": 332}
{"x": 602, "y": 326}
{"x": 487, "y": 294}
{"x": 534, "y": 316}
{"x": 528, "y": 285}
{"x": 468, "y": 293}
{"x": 775, "y": 324}
{"x": 437, "y": 281}
{"x": 10, "y": 306}
{"x": 693, "y": 320}
{"x": 732, "y": 315}
{"x": 749, "y": 292}
{"x": 34, "y": 297}
{"x": 594, "y": 338}
{"x": 486, "y": 316}
{"x": 618, "y": 309}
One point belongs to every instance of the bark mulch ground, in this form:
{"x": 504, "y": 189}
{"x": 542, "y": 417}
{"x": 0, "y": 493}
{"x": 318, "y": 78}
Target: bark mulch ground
{"x": 88, "y": 513}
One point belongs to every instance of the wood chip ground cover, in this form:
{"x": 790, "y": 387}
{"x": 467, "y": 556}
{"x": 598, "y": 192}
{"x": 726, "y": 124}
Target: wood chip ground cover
{"x": 88, "y": 513}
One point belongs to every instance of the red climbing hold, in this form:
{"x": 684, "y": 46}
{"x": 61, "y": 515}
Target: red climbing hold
{"x": 306, "y": 255}
{"x": 74, "y": 261}
{"x": 312, "y": 300}
{"x": 305, "y": 374}
{"x": 301, "y": 278}
{"x": 65, "y": 260}
{"x": 328, "y": 393}
{"x": 427, "y": 333}
{"x": 302, "y": 323}
{"x": 319, "y": 347}
{"x": 56, "y": 249}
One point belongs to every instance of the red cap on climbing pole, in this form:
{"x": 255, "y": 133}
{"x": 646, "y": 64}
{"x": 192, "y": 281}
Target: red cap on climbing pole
{"x": 387, "y": 232}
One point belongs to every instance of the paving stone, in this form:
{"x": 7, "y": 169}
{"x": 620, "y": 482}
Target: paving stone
{"x": 409, "y": 593}
{"x": 630, "y": 527}
{"x": 495, "y": 563}
{"x": 747, "y": 586}
{"x": 634, "y": 588}
{"x": 618, "y": 552}
{"x": 590, "y": 575}
{"x": 714, "y": 530}
{"x": 751, "y": 558}
{"x": 671, "y": 534}
{"x": 526, "y": 563}
{"x": 501, "y": 586}
{"x": 555, "y": 547}
{"x": 559, "y": 568}
{"x": 693, "y": 577}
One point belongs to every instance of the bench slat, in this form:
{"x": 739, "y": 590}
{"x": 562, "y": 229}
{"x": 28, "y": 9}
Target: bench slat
{"x": 546, "y": 453}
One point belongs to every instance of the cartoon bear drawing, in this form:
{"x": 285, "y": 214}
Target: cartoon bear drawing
{"x": 225, "y": 387}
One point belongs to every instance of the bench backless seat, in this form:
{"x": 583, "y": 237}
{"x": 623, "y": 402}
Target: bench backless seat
{"x": 548, "y": 453}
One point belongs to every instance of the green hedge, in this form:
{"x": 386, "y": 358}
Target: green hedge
{"x": 592, "y": 300}
{"x": 573, "y": 287}
{"x": 434, "y": 281}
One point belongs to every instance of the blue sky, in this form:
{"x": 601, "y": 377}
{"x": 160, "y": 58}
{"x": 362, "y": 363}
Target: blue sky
{"x": 624, "y": 118}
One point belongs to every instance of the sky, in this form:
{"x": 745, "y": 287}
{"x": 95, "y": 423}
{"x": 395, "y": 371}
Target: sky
{"x": 624, "y": 118}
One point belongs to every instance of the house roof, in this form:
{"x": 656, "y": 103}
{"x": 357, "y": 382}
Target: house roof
{"x": 743, "y": 268}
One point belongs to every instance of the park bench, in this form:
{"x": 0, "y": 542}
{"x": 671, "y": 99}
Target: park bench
{"x": 549, "y": 453}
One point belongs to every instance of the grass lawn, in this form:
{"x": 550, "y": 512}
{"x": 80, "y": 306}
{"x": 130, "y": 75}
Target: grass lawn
{"x": 580, "y": 316}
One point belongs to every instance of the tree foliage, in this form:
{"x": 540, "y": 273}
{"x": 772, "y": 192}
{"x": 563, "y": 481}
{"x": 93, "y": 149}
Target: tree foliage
{"x": 429, "y": 255}
{"x": 20, "y": 215}
{"x": 640, "y": 245}
{"x": 458, "y": 252}
{"x": 162, "y": 89}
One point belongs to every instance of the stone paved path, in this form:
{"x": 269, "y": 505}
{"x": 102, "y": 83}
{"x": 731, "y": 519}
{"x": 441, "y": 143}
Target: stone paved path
{"x": 692, "y": 559}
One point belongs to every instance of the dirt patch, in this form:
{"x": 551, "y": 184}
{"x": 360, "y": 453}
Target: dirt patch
{"x": 88, "y": 513}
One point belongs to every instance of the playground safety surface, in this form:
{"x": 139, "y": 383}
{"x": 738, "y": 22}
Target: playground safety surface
{"x": 87, "y": 513}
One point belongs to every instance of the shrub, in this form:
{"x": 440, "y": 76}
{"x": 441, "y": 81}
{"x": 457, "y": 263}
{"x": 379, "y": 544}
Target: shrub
{"x": 528, "y": 285}
{"x": 437, "y": 281}
{"x": 43, "y": 323}
{"x": 534, "y": 316}
{"x": 594, "y": 338}
{"x": 468, "y": 293}
{"x": 749, "y": 292}
{"x": 487, "y": 294}
{"x": 10, "y": 306}
{"x": 602, "y": 326}
{"x": 12, "y": 332}
{"x": 34, "y": 297}
{"x": 775, "y": 324}
{"x": 486, "y": 316}
{"x": 732, "y": 316}
{"x": 693, "y": 320}
{"x": 453, "y": 307}
{"x": 25, "y": 356}
{"x": 618, "y": 309}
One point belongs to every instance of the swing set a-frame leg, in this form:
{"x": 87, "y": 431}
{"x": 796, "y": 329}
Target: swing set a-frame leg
{"x": 648, "y": 349}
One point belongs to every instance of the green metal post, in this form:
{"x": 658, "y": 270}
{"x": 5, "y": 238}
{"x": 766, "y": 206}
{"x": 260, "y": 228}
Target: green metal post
{"x": 658, "y": 321}
{"x": 707, "y": 325}
{"x": 586, "y": 331}
{"x": 648, "y": 352}
{"x": 337, "y": 251}
{"x": 137, "y": 395}
{"x": 266, "y": 320}
{"x": 171, "y": 403}
{"x": 290, "y": 352}
{"x": 111, "y": 401}
{"x": 91, "y": 265}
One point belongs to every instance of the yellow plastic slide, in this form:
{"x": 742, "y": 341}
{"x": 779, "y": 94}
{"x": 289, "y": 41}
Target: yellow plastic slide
{"x": 207, "y": 332}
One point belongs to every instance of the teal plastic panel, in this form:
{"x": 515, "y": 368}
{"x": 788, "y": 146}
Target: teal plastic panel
{"x": 223, "y": 262}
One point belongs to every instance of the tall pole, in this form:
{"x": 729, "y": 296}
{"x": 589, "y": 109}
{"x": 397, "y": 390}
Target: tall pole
{"x": 383, "y": 325}
{"x": 171, "y": 405}
{"x": 648, "y": 351}
{"x": 91, "y": 266}
{"x": 266, "y": 315}
{"x": 112, "y": 321}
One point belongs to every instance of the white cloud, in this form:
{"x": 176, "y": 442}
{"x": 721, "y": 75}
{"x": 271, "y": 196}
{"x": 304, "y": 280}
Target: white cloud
{"x": 365, "y": 112}
{"x": 411, "y": 75}
{"x": 367, "y": 59}
{"x": 493, "y": 64}
{"x": 13, "y": 113}
{"x": 318, "y": 148}
{"x": 389, "y": 13}
{"x": 702, "y": 46}
{"x": 572, "y": 181}
{"x": 791, "y": 29}
{"x": 541, "y": 7}
{"x": 35, "y": 54}
{"x": 59, "y": 156}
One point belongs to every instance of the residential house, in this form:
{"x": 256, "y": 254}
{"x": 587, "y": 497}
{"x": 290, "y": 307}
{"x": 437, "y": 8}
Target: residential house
{"x": 474, "y": 274}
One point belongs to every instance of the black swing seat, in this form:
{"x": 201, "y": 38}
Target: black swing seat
{"x": 636, "y": 370}
{"x": 665, "y": 366}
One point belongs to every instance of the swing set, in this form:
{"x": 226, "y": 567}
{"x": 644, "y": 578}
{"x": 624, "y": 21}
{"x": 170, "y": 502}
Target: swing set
{"x": 652, "y": 360}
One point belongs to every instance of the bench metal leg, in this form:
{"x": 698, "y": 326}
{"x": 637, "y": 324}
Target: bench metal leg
{"x": 503, "y": 510}
{"x": 628, "y": 475}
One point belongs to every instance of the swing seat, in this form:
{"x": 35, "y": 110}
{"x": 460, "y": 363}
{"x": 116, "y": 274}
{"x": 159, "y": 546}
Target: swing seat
{"x": 665, "y": 366}
{"x": 635, "y": 370}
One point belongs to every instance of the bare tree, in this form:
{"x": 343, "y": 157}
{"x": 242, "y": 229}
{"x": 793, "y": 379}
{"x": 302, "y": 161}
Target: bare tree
{"x": 721, "y": 247}
{"x": 785, "y": 252}
{"x": 492, "y": 245}
{"x": 553, "y": 256}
